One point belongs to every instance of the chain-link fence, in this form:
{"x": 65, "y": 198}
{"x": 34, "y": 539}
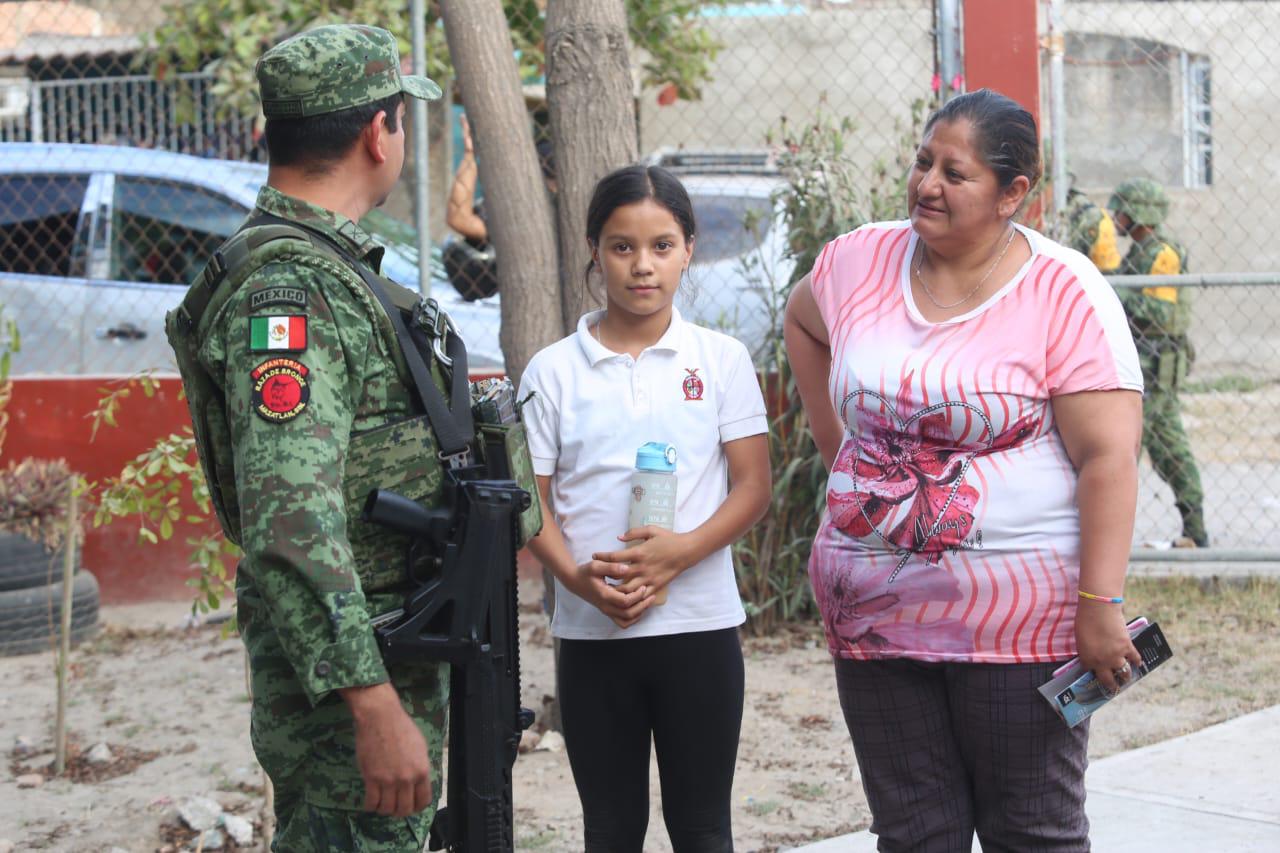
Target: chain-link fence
{"x": 1178, "y": 93}
{"x": 97, "y": 240}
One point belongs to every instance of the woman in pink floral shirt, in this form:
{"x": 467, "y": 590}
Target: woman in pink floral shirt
{"x": 976, "y": 394}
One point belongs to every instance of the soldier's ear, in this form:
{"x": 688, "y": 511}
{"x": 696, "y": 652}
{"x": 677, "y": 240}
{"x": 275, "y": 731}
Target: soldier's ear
{"x": 374, "y": 137}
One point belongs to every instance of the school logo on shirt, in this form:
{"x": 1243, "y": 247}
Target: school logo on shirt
{"x": 692, "y": 385}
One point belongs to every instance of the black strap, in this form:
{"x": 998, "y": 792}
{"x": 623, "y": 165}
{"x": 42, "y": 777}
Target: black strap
{"x": 451, "y": 422}
{"x": 234, "y": 251}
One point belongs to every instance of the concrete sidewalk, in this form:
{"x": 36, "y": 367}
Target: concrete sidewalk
{"x": 1214, "y": 790}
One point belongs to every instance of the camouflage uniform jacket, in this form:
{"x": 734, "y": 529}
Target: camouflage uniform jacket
{"x": 1092, "y": 233}
{"x": 1155, "y": 310}
{"x": 307, "y": 320}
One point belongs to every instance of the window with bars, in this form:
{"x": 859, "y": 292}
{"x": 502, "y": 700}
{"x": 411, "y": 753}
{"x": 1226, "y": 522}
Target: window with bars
{"x": 1137, "y": 107}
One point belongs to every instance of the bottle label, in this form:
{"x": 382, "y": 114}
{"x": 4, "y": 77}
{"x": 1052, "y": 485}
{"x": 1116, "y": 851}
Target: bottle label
{"x": 653, "y": 501}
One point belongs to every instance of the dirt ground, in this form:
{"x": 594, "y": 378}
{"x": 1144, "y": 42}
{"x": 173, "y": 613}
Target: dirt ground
{"x": 171, "y": 705}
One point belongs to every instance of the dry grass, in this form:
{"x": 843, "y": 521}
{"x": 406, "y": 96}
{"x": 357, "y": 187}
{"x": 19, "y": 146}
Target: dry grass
{"x": 1226, "y": 662}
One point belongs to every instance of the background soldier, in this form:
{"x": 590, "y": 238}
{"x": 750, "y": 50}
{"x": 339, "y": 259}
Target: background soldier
{"x": 1091, "y": 231}
{"x": 1159, "y": 318}
{"x": 288, "y": 365}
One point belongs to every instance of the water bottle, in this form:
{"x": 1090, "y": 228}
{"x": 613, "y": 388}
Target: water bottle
{"x": 653, "y": 491}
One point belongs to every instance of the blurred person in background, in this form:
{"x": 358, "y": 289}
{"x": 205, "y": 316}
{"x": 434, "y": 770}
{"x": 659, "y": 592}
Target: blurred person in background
{"x": 1159, "y": 318}
{"x": 1091, "y": 231}
{"x": 470, "y": 262}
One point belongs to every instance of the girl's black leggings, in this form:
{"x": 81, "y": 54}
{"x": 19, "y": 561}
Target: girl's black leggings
{"x": 682, "y": 690}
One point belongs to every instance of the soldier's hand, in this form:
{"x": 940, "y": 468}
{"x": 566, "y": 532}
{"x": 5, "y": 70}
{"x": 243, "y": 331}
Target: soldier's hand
{"x": 624, "y": 608}
{"x": 390, "y": 751}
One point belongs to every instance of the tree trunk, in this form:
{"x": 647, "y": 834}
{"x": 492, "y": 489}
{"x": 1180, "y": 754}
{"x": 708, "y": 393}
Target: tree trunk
{"x": 593, "y": 126}
{"x": 519, "y": 217}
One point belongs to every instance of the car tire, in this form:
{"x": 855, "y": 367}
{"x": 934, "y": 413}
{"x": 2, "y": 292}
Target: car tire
{"x": 25, "y": 563}
{"x": 30, "y": 618}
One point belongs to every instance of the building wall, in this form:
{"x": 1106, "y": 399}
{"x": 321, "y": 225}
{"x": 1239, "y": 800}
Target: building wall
{"x": 868, "y": 61}
{"x": 1228, "y": 226}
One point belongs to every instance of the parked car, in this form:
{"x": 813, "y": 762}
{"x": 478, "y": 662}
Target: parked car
{"x": 97, "y": 242}
{"x": 740, "y": 263}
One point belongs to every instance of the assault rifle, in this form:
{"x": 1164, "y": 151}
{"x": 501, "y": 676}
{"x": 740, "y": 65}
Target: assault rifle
{"x": 465, "y": 616}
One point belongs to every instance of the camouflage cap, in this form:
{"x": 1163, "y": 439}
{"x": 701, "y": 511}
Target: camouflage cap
{"x": 333, "y": 68}
{"x": 1142, "y": 200}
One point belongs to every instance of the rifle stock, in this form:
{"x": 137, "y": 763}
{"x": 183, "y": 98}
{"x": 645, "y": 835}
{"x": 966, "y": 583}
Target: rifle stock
{"x": 466, "y": 617}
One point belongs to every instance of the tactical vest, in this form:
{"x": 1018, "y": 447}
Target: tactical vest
{"x": 1161, "y": 311}
{"x": 404, "y": 456}
{"x": 1103, "y": 252}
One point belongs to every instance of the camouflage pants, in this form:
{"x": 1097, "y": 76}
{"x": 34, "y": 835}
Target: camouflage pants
{"x": 1165, "y": 438}
{"x": 309, "y": 753}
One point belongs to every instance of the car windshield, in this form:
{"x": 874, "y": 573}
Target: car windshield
{"x": 729, "y": 225}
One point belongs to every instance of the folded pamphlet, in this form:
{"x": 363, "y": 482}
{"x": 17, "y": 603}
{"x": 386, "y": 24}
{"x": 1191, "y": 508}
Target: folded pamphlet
{"x": 1075, "y": 693}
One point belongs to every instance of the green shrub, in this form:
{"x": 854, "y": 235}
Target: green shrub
{"x": 826, "y": 194}
{"x": 33, "y": 500}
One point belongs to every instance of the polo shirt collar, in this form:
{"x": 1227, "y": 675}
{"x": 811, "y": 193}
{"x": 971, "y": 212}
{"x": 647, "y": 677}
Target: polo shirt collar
{"x": 672, "y": 339}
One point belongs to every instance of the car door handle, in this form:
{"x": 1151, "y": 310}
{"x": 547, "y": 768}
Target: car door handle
{"x": 123, "y": 332}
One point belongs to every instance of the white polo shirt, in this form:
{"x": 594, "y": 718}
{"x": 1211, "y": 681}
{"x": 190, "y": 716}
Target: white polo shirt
{"x": 593, "y": 408}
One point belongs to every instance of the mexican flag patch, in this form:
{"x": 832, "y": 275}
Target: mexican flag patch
{"x": 278, "y": 333}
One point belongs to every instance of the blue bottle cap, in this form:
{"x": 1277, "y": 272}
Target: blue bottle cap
{"x": 656, "y": 456}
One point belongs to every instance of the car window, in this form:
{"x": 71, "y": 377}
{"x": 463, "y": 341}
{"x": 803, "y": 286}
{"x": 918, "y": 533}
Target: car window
{"x": 38, "y": 218}
{"x": 162, "y": 232}
{"x": 722, "y": 225}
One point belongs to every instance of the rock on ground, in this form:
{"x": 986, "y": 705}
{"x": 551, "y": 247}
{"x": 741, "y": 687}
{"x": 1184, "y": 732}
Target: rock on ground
{"x": 200, "y": 813}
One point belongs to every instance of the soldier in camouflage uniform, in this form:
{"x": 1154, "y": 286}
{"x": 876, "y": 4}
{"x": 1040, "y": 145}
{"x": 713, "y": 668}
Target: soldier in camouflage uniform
{"x": 302, "y": 366}
{"x": 1091, "y": 231}
{"x": 1159, "y": 318}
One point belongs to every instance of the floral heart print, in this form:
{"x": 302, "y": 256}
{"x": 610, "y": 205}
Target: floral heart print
{"x": 907, "y": 474}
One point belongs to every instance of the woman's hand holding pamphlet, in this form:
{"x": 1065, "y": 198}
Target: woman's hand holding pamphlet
{"x": 1075, "y": 693}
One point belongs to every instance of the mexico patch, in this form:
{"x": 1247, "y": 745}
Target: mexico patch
{"x": 288, "y": 333}
{"x": 277, "y": 296}
{"x": 280, "y": 389}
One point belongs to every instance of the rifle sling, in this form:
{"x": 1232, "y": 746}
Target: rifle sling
{"x": 450, "y": 421}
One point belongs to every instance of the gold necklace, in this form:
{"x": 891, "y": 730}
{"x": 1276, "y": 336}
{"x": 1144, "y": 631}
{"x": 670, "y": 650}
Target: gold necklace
{"x": 976, "y": 287}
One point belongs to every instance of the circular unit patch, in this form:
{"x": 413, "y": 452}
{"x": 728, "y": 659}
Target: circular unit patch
{"x": 280, "y": 389}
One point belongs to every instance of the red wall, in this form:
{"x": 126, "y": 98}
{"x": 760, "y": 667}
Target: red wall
{"x": 1002, "y": 50}
{"x": 48, "y": 419}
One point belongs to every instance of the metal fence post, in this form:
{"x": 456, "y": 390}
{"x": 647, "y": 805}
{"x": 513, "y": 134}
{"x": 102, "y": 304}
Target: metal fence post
{"x": 421, "y": 155}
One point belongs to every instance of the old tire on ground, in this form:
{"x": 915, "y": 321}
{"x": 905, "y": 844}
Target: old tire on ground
{"x": 31, "y": 618}
{"x": 26, "y": 564}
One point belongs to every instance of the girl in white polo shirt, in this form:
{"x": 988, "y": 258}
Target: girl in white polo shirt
{"x": 631, "y": 669}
